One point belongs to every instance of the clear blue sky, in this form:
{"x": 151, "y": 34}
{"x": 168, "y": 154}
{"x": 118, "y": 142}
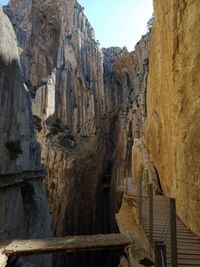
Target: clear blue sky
{"x": 117, "y": 22}
{"x": 3, "y": 2}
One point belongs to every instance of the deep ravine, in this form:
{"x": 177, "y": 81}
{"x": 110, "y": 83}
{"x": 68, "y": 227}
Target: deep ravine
{"x": 83, "y": 99}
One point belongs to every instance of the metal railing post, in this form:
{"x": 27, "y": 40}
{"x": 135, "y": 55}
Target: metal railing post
{"x": 160, "y": 254}
{"x": 173, "y": 236}
{"x": 139, "y": 199}
{"x": 150, "y": 193}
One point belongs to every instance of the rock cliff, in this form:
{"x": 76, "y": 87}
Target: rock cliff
{"x": 77, "y": 92}
{"x": 75, "y": 119}
{"x": 23, "y": 200}
{"x": 128, "y": 75}
{"x": 91, "y": 106}
{"x": 19, "y": 149}
{"x": 173, "y": 108}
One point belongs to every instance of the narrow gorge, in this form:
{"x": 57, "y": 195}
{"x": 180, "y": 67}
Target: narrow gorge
{"x": 77, "y": 119}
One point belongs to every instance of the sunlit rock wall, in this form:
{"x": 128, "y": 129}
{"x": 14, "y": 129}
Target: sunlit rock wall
{"x": 173, "y": 104}
{"x": 63, "y": 70}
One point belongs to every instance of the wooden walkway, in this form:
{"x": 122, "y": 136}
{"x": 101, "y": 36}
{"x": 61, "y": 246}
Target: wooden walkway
{"x": 188, "y": 244}
{"x": 11, "y": 179}
{"x": 130, "y": 189}
{"x": 64, "y": 244}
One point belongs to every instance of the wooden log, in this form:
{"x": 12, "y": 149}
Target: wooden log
{"x": 68, "y": 244}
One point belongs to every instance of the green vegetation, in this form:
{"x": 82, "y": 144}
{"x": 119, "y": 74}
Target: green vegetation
{"x": 14, "y": 148}
{"x": 150, "y": 23}
{"x": 67, "y": 140}
{"x": 37, "y": 123}
{"x": 52, "y": 186}
{"x": 57, "y": 127}
{"x": 33, "y": 89}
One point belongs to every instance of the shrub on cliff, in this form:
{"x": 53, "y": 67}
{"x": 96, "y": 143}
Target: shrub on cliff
{"x": 37, "y": 123}
{"x": 150, "y": 23}
{"x": 57, "y": 127}
{"x": 67, "y": 140}
{"x": 14, "y": 148}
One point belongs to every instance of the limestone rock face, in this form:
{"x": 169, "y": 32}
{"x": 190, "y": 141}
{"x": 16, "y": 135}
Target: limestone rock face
{"x": 61, "y": 60}
{"x": 78, "y": 93}
{"x": 131, "y": 70}
{"x": 15, "y": 109}
{"x": 75, "y": 121}
{"x": 173, "y": 123}
{"x": 127, "y": 73}
{"x": 23, "y": 205}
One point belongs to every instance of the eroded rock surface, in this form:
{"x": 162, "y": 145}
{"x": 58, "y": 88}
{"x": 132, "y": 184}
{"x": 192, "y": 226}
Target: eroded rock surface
{"x": 173, "y": 126}
{"x": 128, "y": 74}
{"x": 74, "y": 119}
{"x": 88, "y": 105}
{"x": 23, "y": 205}
{"x": 15, "y": 109}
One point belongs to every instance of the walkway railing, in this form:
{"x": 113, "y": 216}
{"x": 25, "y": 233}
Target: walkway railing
{"x": 64, "y": 244}
{"x": 10, "y": 179}
{"x": 173, "y": 243}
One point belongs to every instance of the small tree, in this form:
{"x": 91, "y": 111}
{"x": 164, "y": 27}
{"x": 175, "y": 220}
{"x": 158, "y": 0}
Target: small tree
{"x": 14, "y": 148}
{"x": 150, "y": 22}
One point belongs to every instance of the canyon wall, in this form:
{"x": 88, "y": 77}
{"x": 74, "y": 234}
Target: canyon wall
{"x": 83, "y": 99}
{"x": 15, "y": 110}
{"x": 129, "y": 72}
{"x": 173, "y": 108}
{"x": 75, "y": 115}
{"x": 62, "y": 66}
{"x": 90, "y": 106}
{"x": 23, "y": 199}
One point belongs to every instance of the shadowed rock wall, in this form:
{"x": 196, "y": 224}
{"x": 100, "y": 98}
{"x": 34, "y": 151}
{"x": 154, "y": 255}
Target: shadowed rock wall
{"x": 23, "y": 205}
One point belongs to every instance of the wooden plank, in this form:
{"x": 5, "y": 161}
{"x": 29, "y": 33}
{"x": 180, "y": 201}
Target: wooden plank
{"x": 189, "y": 256}
{"x": 186, "y": 242}
{"x": 188, "y": 251}
{"x": 189, "y": 262}
{"x": 121, "y": 188}
{"x": 67, "y": 244}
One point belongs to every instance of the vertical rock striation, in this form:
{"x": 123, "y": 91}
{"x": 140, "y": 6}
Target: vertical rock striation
{"x": 63, "y": 69}
{"x": 60, "y": 51}
{"x": 173, "y": 126}
{"x": 88, "y": 105}
{"x": 23, "y": 203}
{"x": 74, "y": 117}
{"x": 127, "y": 73}
{"x": 15, "y": 109}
